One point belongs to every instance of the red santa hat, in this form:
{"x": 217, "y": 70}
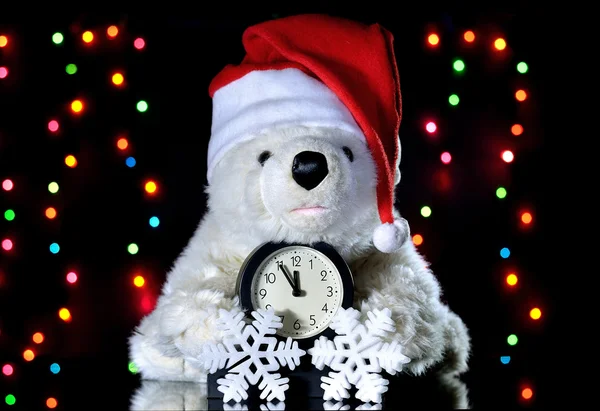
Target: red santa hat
{"x": 317, "y": 70}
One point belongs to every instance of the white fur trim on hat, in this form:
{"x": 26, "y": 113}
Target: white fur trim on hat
{"x": 265, "y": 99}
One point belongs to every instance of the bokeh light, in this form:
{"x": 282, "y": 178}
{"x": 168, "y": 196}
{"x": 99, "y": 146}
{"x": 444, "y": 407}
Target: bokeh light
{"x": 50, "y": 212}
{"x": 28, "y": 355}
{"x": 425, "y": 211}
{"x": 505, "y": 359}
{"x": 71, "y": 68}
{"x": 118, "y": 79}
{"x": 72, "y": 277}
{"x": 417, "y": 239}
{"x": 526, "y": 217}
{"x": 7, "y": 185}
{"x": 77, "y": 106}
{"x": 133, "y": 248}
{"x": 139, "y": 43}
{"x": 38, "y": 338}
{"x": 57, "y": 38}
{"x": 522, "y": 67}
{"x": 500, "y": 44}
{"x": 516, "y": 129}
{"x": 139, "y": 281}
{"x": 453, "y": 100}
{"x": 87, "y": 36}
{"x": 501, "y": 192}
{"x": 51, "y": 403}
{"x": 154, "y": 221}
{"x": 71, "y": 161}
{"x": 430, "y": 127}
{"x": 122, "y": 143}
{"x": 446, "y": 157}
{"x": 458, "y": 65}
{"x": 3, "y": 72}
{"x": 507, "y": 156}
{"x": 112, "y": 31}
{"x": 150, "y": 187}
{"x": 433, "y": 39}
{"x": 132, "y": 367}
{"x": 505, "y": 252}
{"x": 7, "y": 244}
{"x": 64, "y": 314}
{"x": 54, "y": 248}
{"x": 512, "y": 339}
{"x": 512, "y": 279}
{"x": 130, "y": 162}
{"x": 521, "y": 95}
{"x": 527, "y": 393}
{"x": 10, "y": 399}
{"x": 53, "y": 187}
{"x": 469, "y": 36}
{"x": 54, "y": 368}
{"x": 7, "y": 370}
{"x": 9, "y": 215}
{"x": 142, "y": 106}
{"x": 3, "y": 41}
{"x": 53, "y": 126}
{"x": 535, "y": 313}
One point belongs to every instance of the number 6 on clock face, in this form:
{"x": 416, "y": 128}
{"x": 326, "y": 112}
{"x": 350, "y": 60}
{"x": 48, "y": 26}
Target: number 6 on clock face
{"x": 305, "y": 285}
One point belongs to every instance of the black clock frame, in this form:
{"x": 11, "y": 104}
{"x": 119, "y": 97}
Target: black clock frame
{"x": 258, "y": 256}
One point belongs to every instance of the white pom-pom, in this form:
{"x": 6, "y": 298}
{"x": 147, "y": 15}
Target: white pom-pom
{"x": 389, "y": 237}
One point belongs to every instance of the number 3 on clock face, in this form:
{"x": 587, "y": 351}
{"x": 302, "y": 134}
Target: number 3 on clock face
{"x": 306, "y": 285}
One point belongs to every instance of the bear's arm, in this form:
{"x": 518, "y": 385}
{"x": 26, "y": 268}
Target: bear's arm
{"x": 428, "y": 330}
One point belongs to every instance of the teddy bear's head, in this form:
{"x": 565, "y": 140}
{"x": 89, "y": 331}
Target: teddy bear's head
{"x": 299, "y": 184}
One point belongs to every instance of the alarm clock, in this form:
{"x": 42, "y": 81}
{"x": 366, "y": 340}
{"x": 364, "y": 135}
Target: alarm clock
{"x": 304, "y": 284}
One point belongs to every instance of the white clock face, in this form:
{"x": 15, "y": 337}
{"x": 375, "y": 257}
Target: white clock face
{"x": 309, "y": 311}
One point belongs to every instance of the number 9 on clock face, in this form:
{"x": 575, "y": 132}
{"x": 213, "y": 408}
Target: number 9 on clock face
{"x": 304, "y": 285}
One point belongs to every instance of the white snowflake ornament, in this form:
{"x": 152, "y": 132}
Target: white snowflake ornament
{"x": 358, "y": 354}
{"x": 251, "y": 353}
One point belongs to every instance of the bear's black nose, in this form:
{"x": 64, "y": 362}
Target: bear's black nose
{"x": 309, "y": 169}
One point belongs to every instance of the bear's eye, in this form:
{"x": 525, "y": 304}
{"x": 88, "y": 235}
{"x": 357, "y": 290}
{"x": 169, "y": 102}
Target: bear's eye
{"x": 264, "y": 156}
{"x": 348, "y": 153}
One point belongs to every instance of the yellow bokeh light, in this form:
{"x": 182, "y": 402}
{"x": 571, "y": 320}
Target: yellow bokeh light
{"x": 512, "y": 279}
{"x": 3, "y": 41}
{"x": 433, "y": 39}
{"x": 38, "y": 338}
{"x": 64, "y": 314}
{"x": 28, "y": 355}
{"x": 112, "y": 31}
{"x": 521, "y": 95}
{"x": 88, "y": 36}
{"x": 139, "y": 281}
{"x": 77, "y": 106}
{"x": 71, "y": 161}
{"x": 526, "y": 218}
{"x": 122, "y": 143}
{"x": 118, "y": 79}
{"x": 50, "y": 212}
{"x": 150, "y": 187}
{"x": 535, "y": 313}
{"x": 500, "y": 44}
{"x": 51, "y": 403}
{"x": 417, "y": 239}
{"x": 469, "y": 36}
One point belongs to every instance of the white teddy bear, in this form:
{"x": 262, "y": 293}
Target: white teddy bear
{"x": 304, "y": 148}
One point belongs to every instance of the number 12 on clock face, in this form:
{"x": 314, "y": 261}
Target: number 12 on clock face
{"x": 303, "y": 285}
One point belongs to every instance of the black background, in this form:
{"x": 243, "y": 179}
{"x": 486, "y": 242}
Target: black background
{"x": 102, "y": 206}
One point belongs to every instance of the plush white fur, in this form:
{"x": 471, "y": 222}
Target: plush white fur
{"x": 249, "y": 204}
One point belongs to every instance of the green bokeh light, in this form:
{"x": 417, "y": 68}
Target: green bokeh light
{"x": 501, "y": 192}
{"x": 10, "y": 399}
{"x": 133, "y": 248}
{"x": 57, "y": 38}
{"x": 458, "y": 65}
{"x": 142, "y": 106}
{"x": 53, "y": 187}
{"x": 453, "y": 99}
{"x": 9, "y": 215}
{"x": 132, "y": 367}
{"x": 425, "y": 211}
{"x": 512, "y": 339}
{"x": 522, "y": 67}
{"x": 71, "y": 68}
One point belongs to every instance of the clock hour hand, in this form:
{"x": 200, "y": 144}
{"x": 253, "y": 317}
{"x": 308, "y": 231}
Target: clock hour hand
{"x": 295, "y": 290}
{"x": 297, "y": 281}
